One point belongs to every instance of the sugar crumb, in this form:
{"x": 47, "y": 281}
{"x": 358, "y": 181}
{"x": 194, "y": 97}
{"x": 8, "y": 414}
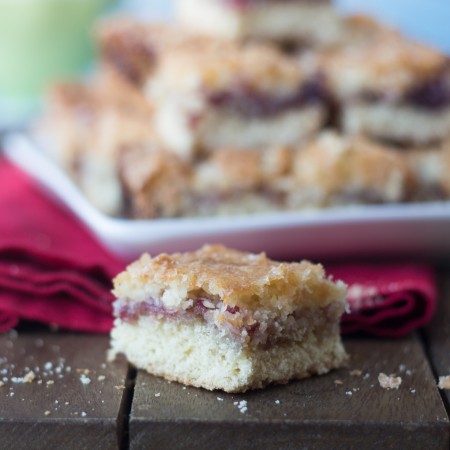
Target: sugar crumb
{"x": 47, "y": 413}
{"x": 338, "y": 382}
{"x": 389, "y": 381}
{"x": 84, "y": 379}
{"x": 29, "y": 377}
{"x": 50, "y": 382}
{"x": 101, "y": 378}
{"x": 220, "y": 399}
{"x": 242, "y": 405}
{"x": 158, "y": 394}
{"x": 356, "y": 373}
{"x": 444, "y": 382}
{"x": 349, "y": 393}
{"x": 83, "y": 414}
{"x": 277, "y": 402}
{"x": 120, "y": 387}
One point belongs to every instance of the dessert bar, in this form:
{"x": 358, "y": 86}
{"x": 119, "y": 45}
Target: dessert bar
{"x": 223, "y": 319}
{"x": 344, "y": 170}
{"x": 219, "y": 94}
{"x": 431, "y": 167}
{"x": 159, "y": 184}
{"x": 155, "y": 182}
{"x": 83, "y": 129}
{"x": 209, "y": 93}
{"x": 391, "y": 88}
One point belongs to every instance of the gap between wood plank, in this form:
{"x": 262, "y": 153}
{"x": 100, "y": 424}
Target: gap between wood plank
{"x": 123, "y": 420}
{"x": 429, "y": 341}
{"x": 426, "y": 348}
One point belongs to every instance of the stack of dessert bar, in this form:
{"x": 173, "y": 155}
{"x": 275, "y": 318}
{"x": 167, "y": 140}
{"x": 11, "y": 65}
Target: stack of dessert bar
{"x": 242, "y": 106}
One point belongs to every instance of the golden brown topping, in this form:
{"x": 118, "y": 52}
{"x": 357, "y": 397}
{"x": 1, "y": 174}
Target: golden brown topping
{"x": 133, "y": 47}
{"x": 338, "y": 165}
{"x": 136, "y": 50}
{"x": 237, "y": 278}
{"x": 215, "y": 65}
{"x": 387, "y": 62}
{"x": 237, "y": 169}
{"x": 155, "y": 179}
{"x": 98, "y": 119}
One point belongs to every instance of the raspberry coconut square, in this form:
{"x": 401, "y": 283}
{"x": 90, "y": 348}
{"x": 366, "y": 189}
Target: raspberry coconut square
{"x": 208, "y": 93}
{"x": 222, "y": 319}
{"x": 391, "y": 87}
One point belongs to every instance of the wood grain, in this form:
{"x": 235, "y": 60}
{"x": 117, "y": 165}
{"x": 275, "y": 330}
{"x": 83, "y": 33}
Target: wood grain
{"x": 56, "y": 409}
{"x": 438, "y": 333}
{"x": 314, "y": 413}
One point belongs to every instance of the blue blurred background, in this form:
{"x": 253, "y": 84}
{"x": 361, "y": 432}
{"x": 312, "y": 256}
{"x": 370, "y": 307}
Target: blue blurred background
{"x": 425, "y": 20}
{"x": 45, "y": 40}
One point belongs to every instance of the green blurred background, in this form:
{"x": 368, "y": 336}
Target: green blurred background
{"x": 42, "y": 41}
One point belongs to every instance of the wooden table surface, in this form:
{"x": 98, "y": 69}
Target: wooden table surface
{"x": 79, "y": 400}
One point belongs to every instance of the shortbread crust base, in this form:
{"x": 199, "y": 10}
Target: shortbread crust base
{"x": 198, "y": 354}
{"x": 403, "y": 124}
{"x": 223, "y": 129}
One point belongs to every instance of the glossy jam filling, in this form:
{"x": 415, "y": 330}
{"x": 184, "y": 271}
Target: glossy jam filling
{"x": 246, "y": 102}
{"x": 432, "y": 95}
{"x": 201, "y": 307}
{"x": 257, "y": 327}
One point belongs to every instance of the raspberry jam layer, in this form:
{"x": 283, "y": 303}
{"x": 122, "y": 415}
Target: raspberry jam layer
{"x": 200, "y": 307}
{"x": 433, "y": 95}
{"x": 246, "y": 102}
{"x": 261, "y": 328}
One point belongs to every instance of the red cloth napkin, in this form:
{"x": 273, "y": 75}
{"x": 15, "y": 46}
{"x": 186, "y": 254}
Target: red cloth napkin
{"x": 53, "y": 271}
{"x": 387, "y": 300}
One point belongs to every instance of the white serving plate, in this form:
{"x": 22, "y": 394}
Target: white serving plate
{"x": 382, "y": 230}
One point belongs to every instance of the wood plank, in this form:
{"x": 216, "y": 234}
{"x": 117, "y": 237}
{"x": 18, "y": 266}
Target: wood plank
{"x": 56, "y": 409}
{"x": 438, "y": 333}
{"x": 313, "y": 413}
